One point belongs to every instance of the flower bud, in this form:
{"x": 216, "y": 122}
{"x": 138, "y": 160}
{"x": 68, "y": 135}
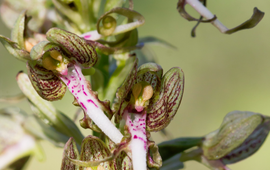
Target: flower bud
{"x": 240, "y": 135}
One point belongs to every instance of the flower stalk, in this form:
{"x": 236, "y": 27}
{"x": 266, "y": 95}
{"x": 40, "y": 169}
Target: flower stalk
{"x": 138, "y": 143}
{"x": 203, "y": 11}
{"x": 78, "y": 86}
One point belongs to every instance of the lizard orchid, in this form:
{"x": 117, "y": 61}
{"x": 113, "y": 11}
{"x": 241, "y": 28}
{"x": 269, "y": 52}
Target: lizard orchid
{"x": 240, "y": 135}
{"x": 57, "y": 63}
{"x": 147, "y": 101}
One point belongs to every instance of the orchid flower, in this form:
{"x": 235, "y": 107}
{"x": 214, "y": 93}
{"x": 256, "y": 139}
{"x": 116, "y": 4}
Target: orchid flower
{"x": 57, "y": 63}
{"x": 97, "y": 154}
{"x": 147, "y": 101}
{"x": 240, "y": 135}
{"x": 200, "y": 7}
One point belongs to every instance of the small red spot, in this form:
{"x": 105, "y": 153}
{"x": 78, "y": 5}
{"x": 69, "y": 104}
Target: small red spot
{"x": 83, "y": 105}
{"x": 135, "y": 137}
{"x": 87, "y": 36}
{"x": 91, "y": 101}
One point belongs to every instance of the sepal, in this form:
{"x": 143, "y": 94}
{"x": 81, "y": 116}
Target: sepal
{"x": 75, "y": 46}
{"x": 165, "y": 103}
{"x": 236, "y": 127}
{"x": 70, "y": 151}
{"x": 45, "y": 82}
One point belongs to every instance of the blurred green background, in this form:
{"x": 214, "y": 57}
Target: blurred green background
{"x": 222, "y": 72}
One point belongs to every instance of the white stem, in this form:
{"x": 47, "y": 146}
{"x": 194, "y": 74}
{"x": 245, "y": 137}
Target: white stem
{"x": 16, "y": 151}
{"x": 138, "y": 143}
{"x": 77, "y": 85}
{"x": 203, "y": 11}
{"x": 94, "y": 35}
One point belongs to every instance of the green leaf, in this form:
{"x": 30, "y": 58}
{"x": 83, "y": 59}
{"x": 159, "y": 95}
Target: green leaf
{"x": 14, "y": 49}
{"x": 170, "y": 148}
{"x": 74, "y": 16}
{"x": 157, "y": 41}
{"x": 236, "y": 127}
{"x": 165, "y": 103}
{"x": 118, "y": 76}
{"x": 173, "y": 163}
{"x": 40, "y": 129}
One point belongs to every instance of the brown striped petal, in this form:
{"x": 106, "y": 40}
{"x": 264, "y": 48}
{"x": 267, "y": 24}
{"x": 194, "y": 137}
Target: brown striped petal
{"x": 122, "y": 161}
{"x": 45, "y": 82}
{"x": 74, "y": 45}
{"x": 166, "y": 103}
{"x": 251, "y": 145}
{"x": 70, "y": 151}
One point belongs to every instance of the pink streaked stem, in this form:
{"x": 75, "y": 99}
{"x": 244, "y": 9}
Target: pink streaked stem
{"x": 203, "y": 11}
{"x": 138, "y": 143}
{"x": 77, "y": 85}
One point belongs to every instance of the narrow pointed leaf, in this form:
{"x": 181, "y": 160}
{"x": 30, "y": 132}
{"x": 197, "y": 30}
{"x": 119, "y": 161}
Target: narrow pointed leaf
{"x": 41, "y": 130}
{"x": 173, "y": 163}
{"x": 79, "y": 49}
{"x": 252, "y": 22}
{"x": 69, "y": 13}
{"x": 17, "y": 34}
{"x": 118, "y": 77}
{"x": 170, "y": 148}
{"x": 14, "y": 49}
{"x": 163, "y": 110}
{"x": 157, "y": 41}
